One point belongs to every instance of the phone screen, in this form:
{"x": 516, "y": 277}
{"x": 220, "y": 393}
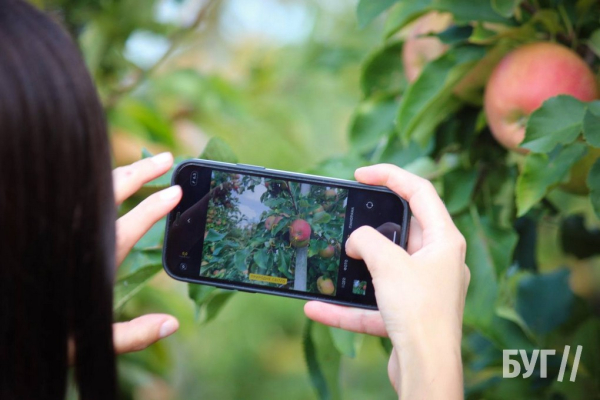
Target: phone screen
{"x": 276, "y": 234}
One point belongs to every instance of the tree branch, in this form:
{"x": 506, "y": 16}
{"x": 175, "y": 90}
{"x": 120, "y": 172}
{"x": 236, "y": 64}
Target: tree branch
{"x": 175, "y": 39}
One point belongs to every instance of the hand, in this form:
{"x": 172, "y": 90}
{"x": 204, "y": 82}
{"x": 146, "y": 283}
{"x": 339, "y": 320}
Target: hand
{"x": 141, "y": 332}
{"x": 420, "y": 292}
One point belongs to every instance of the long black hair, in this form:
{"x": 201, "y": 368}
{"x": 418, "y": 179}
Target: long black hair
{"x": 57, "y": 231}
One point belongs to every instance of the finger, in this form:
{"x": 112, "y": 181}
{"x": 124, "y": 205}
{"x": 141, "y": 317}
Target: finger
{"x": 129, "y": 179}
{"x": 424, "y": 201}
{"x": 133, "y": 225}
{"x": 141, "y": 332}
{"x": 415, "y": 238}
{"x": 378, "y": 252}
{"x": 348, "y": 318}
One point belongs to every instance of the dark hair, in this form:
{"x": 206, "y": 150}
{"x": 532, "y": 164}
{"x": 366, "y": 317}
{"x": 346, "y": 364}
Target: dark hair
{"x": 57, "y": 226}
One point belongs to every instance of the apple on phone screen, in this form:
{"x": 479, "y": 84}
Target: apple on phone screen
{"x": 253, "y": 229}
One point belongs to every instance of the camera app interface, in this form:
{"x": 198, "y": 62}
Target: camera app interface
{"x": 276, "y": 233}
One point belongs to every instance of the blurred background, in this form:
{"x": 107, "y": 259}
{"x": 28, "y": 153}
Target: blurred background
{"x": 278, "y": 81}
{"x": 296, "y": 85}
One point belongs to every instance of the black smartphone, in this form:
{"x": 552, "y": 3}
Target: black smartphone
{"x": 254, "y": 229}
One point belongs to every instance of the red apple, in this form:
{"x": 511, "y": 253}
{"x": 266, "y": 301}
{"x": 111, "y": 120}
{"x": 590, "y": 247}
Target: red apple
{"x": 300, "y": 233}
{"x": 419, "y": 49}
{"x": 524, "y": 79}
{"x": 272, "y": 221}
{"x": 325, "y": 285}
{"x": 327, "y": 252}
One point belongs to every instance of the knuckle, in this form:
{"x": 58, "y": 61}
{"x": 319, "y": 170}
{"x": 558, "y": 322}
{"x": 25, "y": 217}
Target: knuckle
{"x": 426, "y": 186}
{"x": 460, "y": 242}
{"x": 124, "y": 172}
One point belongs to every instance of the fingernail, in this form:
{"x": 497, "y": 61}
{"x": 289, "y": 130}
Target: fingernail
{"x": 168, "y": 328}
{"x": 162, "y": 158}
{"x": 170, "y": 193}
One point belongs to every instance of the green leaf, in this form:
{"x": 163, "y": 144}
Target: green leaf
{"x": 138, "y": 259}
{"x": 138, "y": 268}
{"x": 402, "y": 155}
{"x": 557, "y": 121}
{"x": 593, "y": 182}
{"x": 464, "y": 12}
{"x": 594, "y": 42}
{"x": 239, "y": 259}
{"x": 506, "y": 8}
{"x": 384, "y": 71}
{"x": 200, "y": 293}
{"x": 588, "y": 373}
{"x": 261, "y": 258}
{"x": 208, "y": 300}
{"x": 218, "y": 150}
{"x": 386, "y": 345}
{"x": 347, "y": 343}
{"x": 467, "y": 11}
{"x": 214, "y": 304}
{"x": 489, "y": 252}
{"x": 545, "y": 301}
{"x": 368, "y": 10}
{"x": 143, "y": 118}
{"x": 321, "y": 218}
{"x": 323, "y": 361}
{"x": 456, "y": 34}
{"x": 587, "y": 336}
{"x": 130, "y": 285}
{"x": 340, "y": 167}
{"x": 591, "y": 123}
{"x": 283, "y": 265}
{"x": 404, "y": 13}
{"x": 214, "y": 236}
{"x": 458, "y": 188}
{"x": 428, "y": 101}
{"x": 541, "y": 172}
{"x": 153, "y": 239}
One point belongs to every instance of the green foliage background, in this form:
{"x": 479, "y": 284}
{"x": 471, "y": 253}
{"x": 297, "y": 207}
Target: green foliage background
{"x": 327, "y": 103}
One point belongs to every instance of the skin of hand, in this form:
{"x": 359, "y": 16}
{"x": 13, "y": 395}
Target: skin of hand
{"x": 143, "y": 331}
{"x": 420, "y": 292}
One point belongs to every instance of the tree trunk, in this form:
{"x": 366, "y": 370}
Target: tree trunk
{"x": 301, "y": 255}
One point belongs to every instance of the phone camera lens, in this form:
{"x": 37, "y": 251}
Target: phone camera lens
{"x": 183, "y": 266}
{"x": 369, "y": 205}
{"x": 194, "y": 178}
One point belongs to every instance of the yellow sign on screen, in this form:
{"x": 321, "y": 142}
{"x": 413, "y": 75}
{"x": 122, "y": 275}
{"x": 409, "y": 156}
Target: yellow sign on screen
{"x": 268, "y": 279}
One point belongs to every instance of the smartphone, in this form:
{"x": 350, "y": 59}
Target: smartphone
{"x": 252, "y": 229}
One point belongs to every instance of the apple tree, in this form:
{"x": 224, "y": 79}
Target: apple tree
{"x": 496, "y": 102}
{"x": 291, "y": 244}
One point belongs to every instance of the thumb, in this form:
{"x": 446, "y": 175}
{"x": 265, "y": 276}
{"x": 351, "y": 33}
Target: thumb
{"x": 377, "y": 251}
{"x": 143, "y": 331}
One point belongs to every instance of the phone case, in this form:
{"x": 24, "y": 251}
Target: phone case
{"x": 258, "y": 170}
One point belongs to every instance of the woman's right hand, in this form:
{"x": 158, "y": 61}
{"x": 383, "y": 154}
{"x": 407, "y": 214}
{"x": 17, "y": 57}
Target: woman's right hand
{"x": 420, "y": 292}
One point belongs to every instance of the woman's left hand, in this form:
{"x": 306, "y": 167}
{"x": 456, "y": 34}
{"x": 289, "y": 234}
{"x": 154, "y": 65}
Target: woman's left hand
{"x": 143, "y": 331}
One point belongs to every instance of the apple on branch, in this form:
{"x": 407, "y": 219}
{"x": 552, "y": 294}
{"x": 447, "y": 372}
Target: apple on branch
{"x": 527, "y": 77}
